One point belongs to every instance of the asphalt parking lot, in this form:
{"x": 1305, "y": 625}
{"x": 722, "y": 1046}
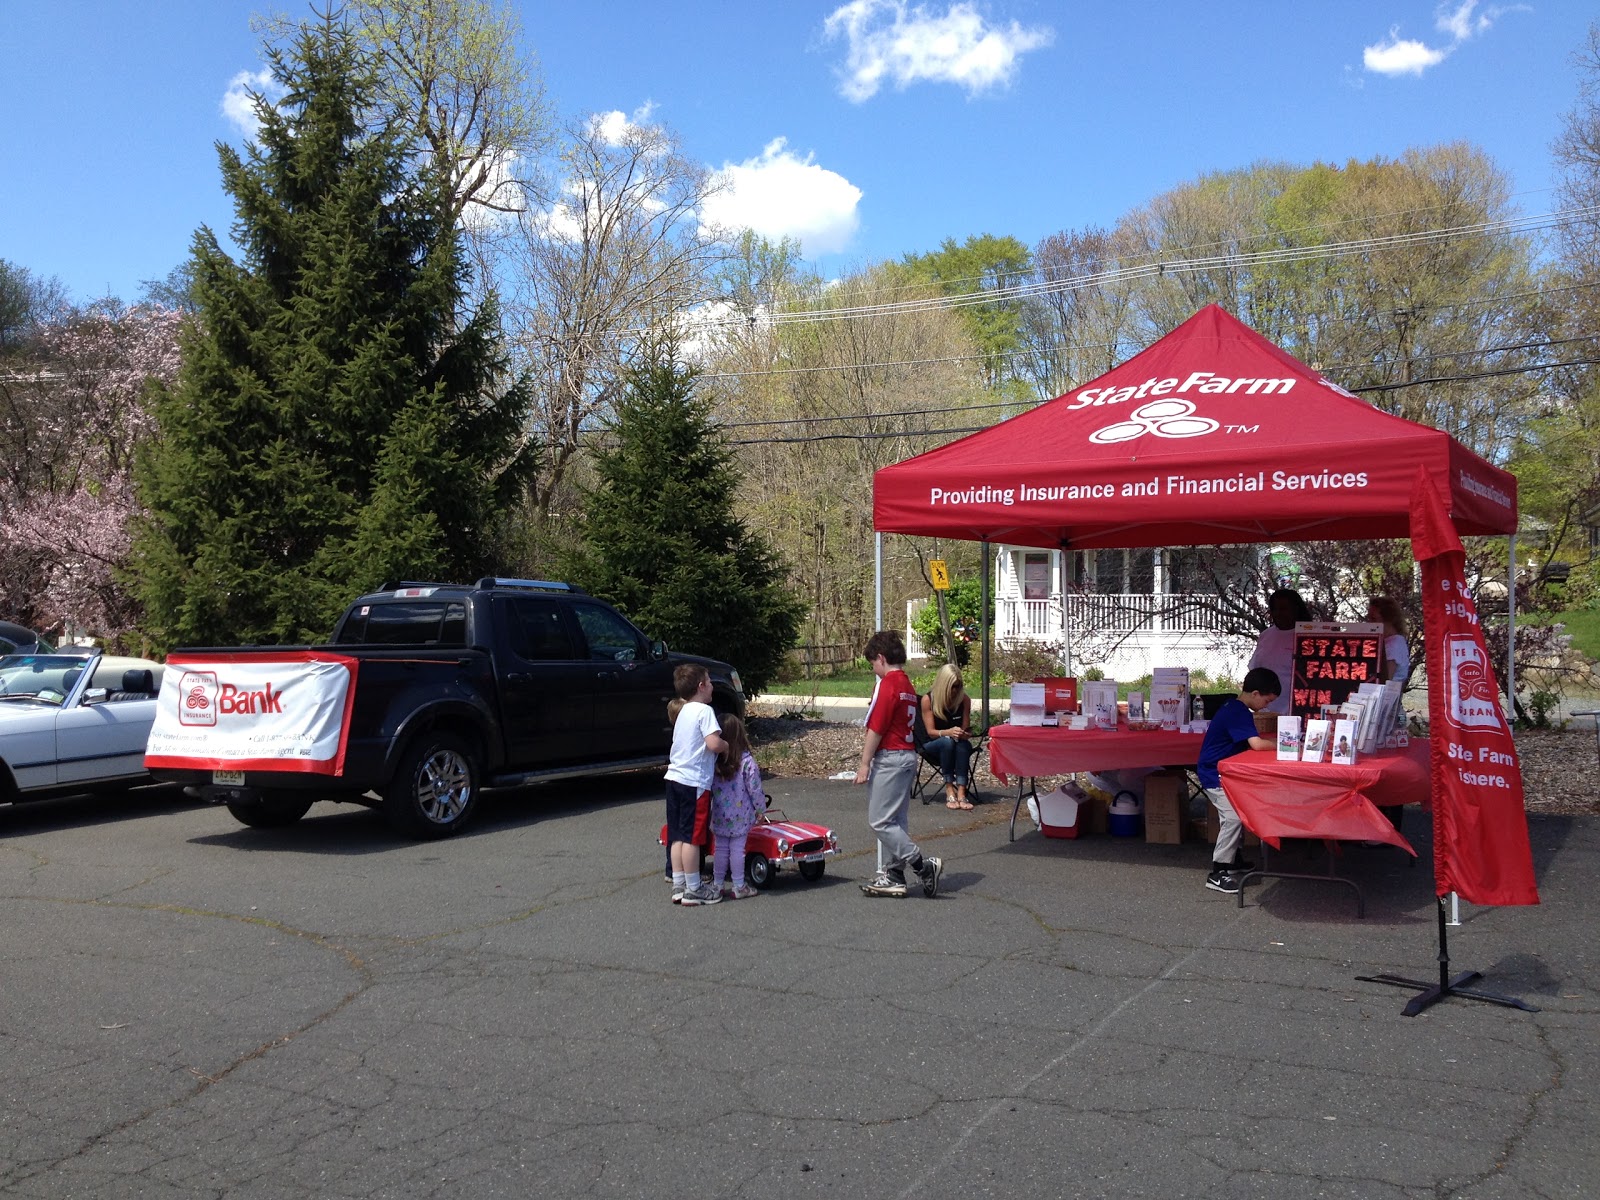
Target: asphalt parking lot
{"x": 192, "y": 1008}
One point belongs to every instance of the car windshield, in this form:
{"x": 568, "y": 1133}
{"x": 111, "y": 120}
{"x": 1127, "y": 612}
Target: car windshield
{"x": 42, "y": 677}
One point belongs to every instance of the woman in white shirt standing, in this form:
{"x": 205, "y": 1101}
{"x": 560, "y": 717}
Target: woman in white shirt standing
{"x": 1396, "y": 651}
{"x": 1275, "y": 648}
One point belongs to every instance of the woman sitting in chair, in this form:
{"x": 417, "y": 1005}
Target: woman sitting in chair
{"x": 946, "y": 713}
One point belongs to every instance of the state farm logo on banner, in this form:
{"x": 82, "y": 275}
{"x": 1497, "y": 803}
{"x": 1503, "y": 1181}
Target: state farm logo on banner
{"x": 1163, "y": 418}
{"x": 1470, "y": 699}
{"x": 197, "y": 698}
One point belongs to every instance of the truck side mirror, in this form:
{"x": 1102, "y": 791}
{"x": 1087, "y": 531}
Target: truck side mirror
{"x": 658, "y": 649}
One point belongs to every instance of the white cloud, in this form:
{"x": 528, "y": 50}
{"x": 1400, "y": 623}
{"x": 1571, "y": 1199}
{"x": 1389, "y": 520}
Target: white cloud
{"x": 1460, "y": 23}
{"x": 1407, "y": 56}
{"x": 500, "y": 198}
{"x": 889, "y": 42}
{"x": 1401, "y": 56}
{"x": 615, "y": 126}
{"x": 779, "y": 194}
{"x": 238, "y": 105}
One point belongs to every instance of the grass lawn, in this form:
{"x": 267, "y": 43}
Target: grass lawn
{"x": 1584, "y": 626}
{"x": 858, "y": 682}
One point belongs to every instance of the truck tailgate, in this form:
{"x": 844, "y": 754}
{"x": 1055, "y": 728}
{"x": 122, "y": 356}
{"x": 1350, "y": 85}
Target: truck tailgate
{"x": 278, "y": 710}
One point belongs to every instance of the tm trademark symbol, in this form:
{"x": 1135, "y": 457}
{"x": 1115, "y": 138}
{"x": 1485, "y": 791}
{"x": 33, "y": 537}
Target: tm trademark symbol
{"x": 1241, "y": 428}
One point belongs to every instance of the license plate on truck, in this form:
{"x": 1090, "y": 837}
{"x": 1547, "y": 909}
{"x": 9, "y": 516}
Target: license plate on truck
{"x": 228, "y": 778}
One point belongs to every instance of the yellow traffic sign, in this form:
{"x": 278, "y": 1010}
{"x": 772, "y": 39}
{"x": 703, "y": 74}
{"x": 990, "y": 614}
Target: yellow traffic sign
{"x": 940, "y": 575}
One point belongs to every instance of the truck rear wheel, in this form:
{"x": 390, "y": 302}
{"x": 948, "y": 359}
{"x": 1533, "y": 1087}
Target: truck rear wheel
{"x": 435, "y": 789}
{"x": 273, "y": 810}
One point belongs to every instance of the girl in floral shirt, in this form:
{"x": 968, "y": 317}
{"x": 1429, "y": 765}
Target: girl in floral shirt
{"x": 737, "y": 803}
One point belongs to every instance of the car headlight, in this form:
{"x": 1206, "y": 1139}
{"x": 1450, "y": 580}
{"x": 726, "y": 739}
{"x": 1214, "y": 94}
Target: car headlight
{"x": 783, "y": 846}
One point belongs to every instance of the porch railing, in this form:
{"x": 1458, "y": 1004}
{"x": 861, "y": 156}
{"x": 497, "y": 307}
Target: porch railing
{"x": 1093, "y": 612}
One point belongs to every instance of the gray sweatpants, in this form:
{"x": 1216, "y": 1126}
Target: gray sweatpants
{"x": 1229, "y": 830}
{"x": 889, "y": 805}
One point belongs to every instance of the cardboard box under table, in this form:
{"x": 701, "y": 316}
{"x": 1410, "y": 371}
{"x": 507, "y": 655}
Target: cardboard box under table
{"x": 1325, "y": 801}
{"x": 1166, "y": 808}
{"x": 1032, "y": 752}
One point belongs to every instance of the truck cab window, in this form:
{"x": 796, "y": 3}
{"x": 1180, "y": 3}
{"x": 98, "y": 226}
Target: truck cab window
{"x": 417, "y": 623}
{"x": 610, "y": 638}
{"x": 536, "y": 631}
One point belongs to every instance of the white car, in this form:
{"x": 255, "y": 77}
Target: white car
{"x": 74, "y": 720}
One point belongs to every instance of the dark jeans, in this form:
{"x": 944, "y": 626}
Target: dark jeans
{"x": 952, "y": 755}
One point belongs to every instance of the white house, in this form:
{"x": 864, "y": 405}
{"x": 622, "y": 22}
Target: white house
{"x": 1124, "y": 611}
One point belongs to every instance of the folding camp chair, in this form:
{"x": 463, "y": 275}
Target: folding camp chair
{"x": 929, "y": 784}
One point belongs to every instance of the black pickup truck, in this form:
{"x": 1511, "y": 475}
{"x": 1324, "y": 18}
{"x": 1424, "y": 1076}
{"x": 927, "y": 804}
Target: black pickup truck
{"x": 427, "y": 693}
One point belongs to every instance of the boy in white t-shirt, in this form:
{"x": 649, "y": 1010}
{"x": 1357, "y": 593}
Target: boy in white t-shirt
{"x": 696, "y": 742}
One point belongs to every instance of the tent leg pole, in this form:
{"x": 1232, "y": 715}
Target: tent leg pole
{"x": 1511, "y": 628}
{"x": 1432, "y": 993}
{"x": 877, "y": 580}
{"x": 983, "y": 628}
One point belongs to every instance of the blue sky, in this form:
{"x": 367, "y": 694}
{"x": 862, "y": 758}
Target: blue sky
{"x": 869, "y": 129}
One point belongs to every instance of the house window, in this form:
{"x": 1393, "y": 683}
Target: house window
{"x": 1123, "y": 572}
{"x": 1036, "y": 577}
{"x": 1141, "y": 571}
{"x": 1082, "y": 568}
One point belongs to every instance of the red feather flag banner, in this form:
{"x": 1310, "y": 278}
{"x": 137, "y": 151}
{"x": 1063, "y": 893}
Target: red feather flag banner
{"x": 1480, "y": 827}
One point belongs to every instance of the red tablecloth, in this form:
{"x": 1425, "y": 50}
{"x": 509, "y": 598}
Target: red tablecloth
{"x": 1032, "y": 750}
{"x": 1319, "y": 800}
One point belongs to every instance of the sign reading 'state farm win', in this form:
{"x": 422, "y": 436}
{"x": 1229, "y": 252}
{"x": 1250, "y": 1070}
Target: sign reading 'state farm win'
{"x": 1331, "y": 661}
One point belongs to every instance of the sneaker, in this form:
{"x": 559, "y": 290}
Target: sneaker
{"x": 884, "y": 885}
{"x": 743, "y": 892}
{"x": 695, "y": 897}
{"x": 1223, "y": 881}
{"x": 677, "y": 895}
{"x": 929, "y": 873}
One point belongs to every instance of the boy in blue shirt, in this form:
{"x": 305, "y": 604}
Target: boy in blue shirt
{"x": 1233, "y": 731}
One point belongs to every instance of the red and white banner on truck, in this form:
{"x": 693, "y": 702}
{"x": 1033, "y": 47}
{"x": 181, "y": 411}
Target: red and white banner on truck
{"x": 221, "y": 711}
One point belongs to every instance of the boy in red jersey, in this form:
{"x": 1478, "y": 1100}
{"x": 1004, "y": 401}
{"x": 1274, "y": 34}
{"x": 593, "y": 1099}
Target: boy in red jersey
{"x": 889, "y": 768}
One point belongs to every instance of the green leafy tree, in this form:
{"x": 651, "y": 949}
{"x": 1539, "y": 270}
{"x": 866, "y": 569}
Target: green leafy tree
{"x": 967, "y": 272}
{"x": 339, "y": 417}
{"x": 964, "y": 603}
{"x": 1558, "y": 461}
{"x": 664, "y": 541}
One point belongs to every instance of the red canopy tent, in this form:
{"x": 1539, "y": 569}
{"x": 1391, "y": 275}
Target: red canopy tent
{"x": 1213, "y": 435}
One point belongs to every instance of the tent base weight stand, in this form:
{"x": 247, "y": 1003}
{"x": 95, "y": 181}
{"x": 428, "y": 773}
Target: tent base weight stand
{"x": 1432, "y": 993}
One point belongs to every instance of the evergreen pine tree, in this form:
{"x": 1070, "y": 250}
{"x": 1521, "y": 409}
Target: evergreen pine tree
{"x": 339, "y": 417}
{"x": 664, "y": 543}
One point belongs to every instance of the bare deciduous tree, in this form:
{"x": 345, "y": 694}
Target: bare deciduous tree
{"x": 601, "y": 272}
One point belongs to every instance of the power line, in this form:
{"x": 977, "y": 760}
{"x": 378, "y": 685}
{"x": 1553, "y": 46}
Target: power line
{"x": 875, "y": 435}
{"x": 1338, "y": 367}
{"x": 1175, "y": 266}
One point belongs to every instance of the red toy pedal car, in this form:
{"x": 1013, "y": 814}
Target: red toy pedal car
{"x": 776, "y": 843}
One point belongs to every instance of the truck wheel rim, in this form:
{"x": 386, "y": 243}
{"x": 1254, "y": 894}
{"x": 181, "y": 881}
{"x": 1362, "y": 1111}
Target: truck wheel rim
{"x": 444, "y": 785}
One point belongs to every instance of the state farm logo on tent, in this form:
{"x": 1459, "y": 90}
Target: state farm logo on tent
{"x": 1470, "y": 699}
{"x": 197, "y": 698}
{"x": 1163, "y": 418}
